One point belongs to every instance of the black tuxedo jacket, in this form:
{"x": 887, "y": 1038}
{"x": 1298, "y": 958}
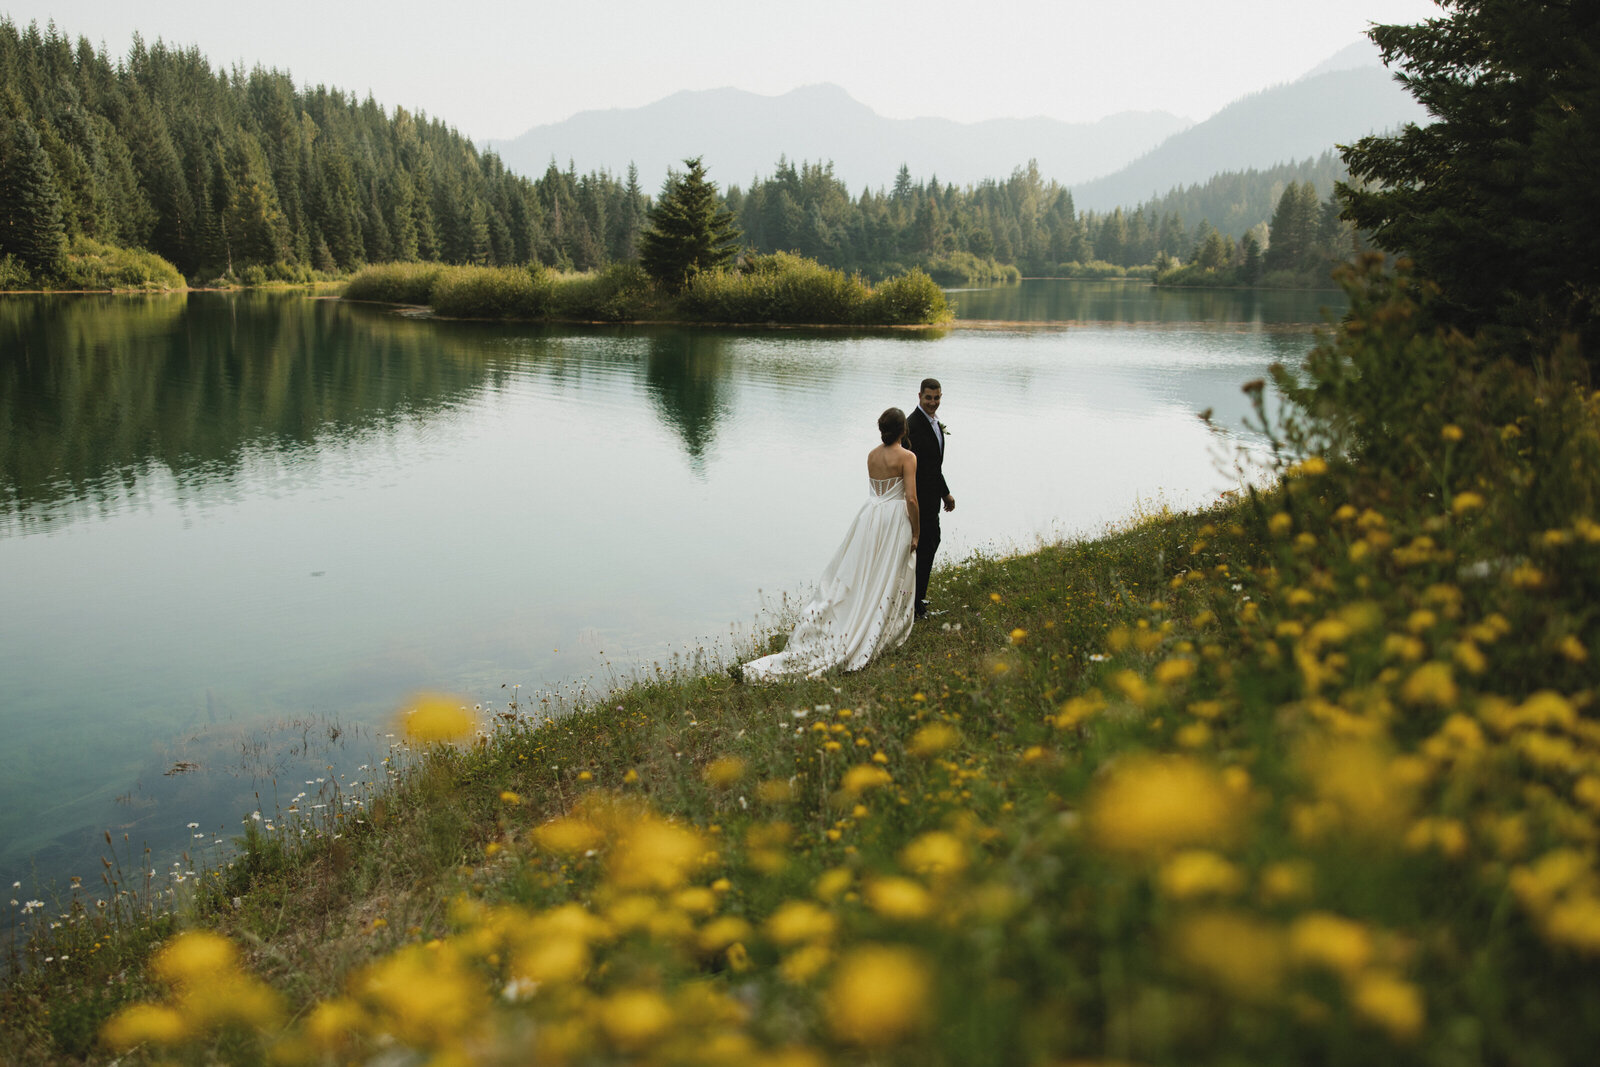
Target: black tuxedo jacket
{"x": 931, "y": 488}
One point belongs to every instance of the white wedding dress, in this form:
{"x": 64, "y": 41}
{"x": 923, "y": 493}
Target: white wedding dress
{"x": 865, "y": 601}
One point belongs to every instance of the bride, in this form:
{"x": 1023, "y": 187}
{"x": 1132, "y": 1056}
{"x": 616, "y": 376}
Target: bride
{"x": 864, "y": 603}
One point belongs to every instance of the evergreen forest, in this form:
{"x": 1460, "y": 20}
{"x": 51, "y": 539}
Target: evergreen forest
{"x": 237, "y": 176}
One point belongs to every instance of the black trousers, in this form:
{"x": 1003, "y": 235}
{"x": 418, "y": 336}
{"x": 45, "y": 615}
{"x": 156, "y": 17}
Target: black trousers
{"x": 927, "y": 545}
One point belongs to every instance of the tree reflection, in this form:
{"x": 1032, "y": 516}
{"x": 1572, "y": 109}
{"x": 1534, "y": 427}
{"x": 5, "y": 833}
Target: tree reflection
{"x": 686, "y": 372}
{"x": 96, "y": 391}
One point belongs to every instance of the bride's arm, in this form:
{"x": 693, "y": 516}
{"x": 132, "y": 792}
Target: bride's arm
{"x": 908, "y": 471}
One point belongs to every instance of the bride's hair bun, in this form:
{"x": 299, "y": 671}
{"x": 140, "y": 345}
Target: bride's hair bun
{"x": 892, "y": 425}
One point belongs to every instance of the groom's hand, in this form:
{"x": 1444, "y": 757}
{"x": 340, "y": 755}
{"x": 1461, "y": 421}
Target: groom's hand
{"x": 949, "y": 502}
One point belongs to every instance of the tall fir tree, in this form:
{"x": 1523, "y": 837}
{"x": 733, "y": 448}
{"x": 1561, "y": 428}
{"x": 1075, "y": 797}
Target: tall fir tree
{"x": 31, "y": 227}
{"x": 1496, "y": 199}
{"x": 689, "y": 230}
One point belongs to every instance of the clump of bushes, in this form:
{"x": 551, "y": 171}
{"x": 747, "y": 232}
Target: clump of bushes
{"x": 911, "y": 299}
{"x": 623, "y": 292}
{"x": 781, "y": 287}
{"x": 394, "y": 283}
{"x": 92, "y": 264}
{"x": 964, "y": 268}
{"x": 494, "y": 292}
{"x": 777, "y": 288}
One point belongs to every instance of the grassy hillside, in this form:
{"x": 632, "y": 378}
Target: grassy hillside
{"x": 1310, "y": 776}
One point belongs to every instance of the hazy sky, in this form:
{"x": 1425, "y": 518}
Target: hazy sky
{"x": 494, "y": 69}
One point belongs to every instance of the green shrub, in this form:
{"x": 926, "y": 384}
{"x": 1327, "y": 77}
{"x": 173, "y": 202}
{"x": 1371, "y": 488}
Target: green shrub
{"x": 964, "y": 268}
{"x": 494, "y": 293}
{"x": 94, "y": 264}
{"x": 781, "y": 287}
{"x": 622, "y": 292}
{"x": 394, "y": 283}
{"x": 13, "y": 275}
{"x": 1198, "y": 277}
{"x": 911, "y": 299}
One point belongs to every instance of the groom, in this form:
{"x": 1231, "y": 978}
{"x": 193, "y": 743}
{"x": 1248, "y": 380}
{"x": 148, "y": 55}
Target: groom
{"x": 927, "y": 441}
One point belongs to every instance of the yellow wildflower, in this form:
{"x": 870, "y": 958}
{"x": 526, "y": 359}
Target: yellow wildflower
{"x": 1079, "y": 709}
{"x": 568, "y": 836}
{"x": 332, "y": 1022}
{"x": 1323, "y": 939}
{"x": 933, "y": 739}
{"x": 1431, "y": 684}
{"x": 899, "y": 898}
{"x": 653, "y": 853}
{"x": 936, "y": 853}
{"x": 1174, "y": 670}
{"x": 426, "y": 996}
{"x": 561, "y": 958}
{"x": 1199, "y": 872}
{"x": 724, "y": 772}
{"x": 1390, "y": 1003}
{"x": 1131, "y": 686}
{"x": 798, "y": 921}
{"x": 1551, "y": 876}
{"x": 1526, "y": 576}
{"x": 863, "y": 777}
{"x": 696, "y": 900}
{"x": 879, "y": 996}
{"x": 1285, "y": 880}
{"x": 634, "y": 1018}
{"x": 195, "y": 957}
{"x": 775, "y": 791}
{"x": 1242, "y": 954}
{"x": 805, "y": 963}
{"x": 831, "y": 884}
{"x": 138, "y": 1024}
{"x": 719, "y": 933}
{"x": 1357, "y": 783}
{"x": 1575, "y": 922}
{"x": 1149, "y": 806}
{"x": 436, "y": 717}
{"x": 1469, "y": 659}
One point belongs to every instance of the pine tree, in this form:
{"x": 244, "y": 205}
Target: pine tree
{"x": 689, "y": 230}
{"x": 1496, "y": 199}
{"x": 1294, "y": 228}
{"x": 31, "y": 228}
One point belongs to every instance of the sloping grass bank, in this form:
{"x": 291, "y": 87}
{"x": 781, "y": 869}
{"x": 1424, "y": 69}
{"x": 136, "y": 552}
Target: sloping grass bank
{"x": 780, "y": 288}
{"x": 1310, "y": 776}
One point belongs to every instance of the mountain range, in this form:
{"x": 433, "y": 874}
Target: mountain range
{"x": 742, "y": 135}
{"x": 1120, "y": 160}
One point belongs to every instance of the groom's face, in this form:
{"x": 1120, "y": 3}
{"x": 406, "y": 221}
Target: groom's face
{"x": 929, "y": 400}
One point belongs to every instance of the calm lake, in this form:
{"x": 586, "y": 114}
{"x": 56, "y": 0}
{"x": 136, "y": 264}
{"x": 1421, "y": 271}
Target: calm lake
{"x": 237, "y": 530}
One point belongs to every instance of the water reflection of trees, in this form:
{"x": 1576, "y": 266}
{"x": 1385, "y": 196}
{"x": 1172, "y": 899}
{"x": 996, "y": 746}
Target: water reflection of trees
{"x": 95, "y": 391}
{"x": 1058, "y": 300}
{"x": 99, "y": 392}
{"x": 686, "y": 372}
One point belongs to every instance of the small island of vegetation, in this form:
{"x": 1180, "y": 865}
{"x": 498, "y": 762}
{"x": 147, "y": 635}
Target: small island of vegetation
{"x": 690, "y": 271}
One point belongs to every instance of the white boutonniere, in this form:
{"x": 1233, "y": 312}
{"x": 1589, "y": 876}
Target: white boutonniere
{"x": 944, "y": 429}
